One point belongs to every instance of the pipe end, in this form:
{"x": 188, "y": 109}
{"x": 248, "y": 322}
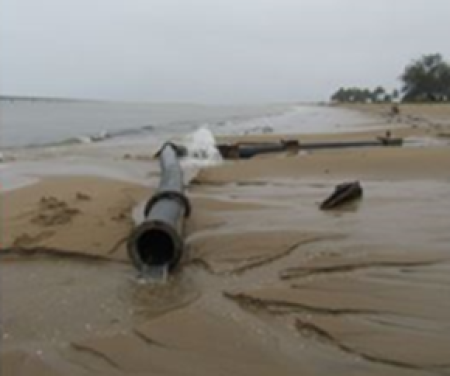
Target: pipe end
{"x": 154, "y": 244}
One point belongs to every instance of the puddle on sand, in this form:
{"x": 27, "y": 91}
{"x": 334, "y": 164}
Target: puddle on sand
{"x": 406, "y": 215}
{"x": 53, "y": 302}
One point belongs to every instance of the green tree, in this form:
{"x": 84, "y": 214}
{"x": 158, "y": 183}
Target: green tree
{"x": 427, "y": 79}
{"x": 356, "y": 95}
{"x": 339, "y": 96}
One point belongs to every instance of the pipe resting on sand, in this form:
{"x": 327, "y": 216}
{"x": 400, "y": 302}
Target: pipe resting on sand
{"x": 158, "y": 241}
{"x": 246, "y": 150}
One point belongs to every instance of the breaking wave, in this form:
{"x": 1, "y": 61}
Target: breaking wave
{"x": 201, "y": 148}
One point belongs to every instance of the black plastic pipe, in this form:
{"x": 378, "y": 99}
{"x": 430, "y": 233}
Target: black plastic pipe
{"x": 249, "y": 150}
{"x": 158, "y": 240}
{"x": 351, "y": 144}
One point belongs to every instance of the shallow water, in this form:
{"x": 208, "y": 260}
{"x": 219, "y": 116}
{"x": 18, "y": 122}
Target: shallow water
{"x": 50, "y": 302}
{"x": 387, "y": 211}
{"x": 377, "y": 275}
{"x": 154, "y": 274}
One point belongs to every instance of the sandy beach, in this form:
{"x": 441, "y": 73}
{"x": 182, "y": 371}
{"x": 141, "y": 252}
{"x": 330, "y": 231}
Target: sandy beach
{"x": 269, "y": 284}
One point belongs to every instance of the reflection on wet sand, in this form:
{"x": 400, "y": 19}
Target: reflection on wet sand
{"x": 73, "y": 298}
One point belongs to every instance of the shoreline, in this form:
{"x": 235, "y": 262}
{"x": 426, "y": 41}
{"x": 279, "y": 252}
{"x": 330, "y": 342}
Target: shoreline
{"x": 427, "y": 130}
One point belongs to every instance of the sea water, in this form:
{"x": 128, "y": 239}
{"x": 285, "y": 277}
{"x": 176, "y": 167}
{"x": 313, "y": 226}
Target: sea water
{"x": 118, "y": 140}
{"x": 31, "y": 123}
{"x": 46, "y": 122}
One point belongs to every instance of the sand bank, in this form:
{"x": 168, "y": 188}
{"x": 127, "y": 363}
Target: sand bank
{"x": 438, "y": 112}
{"x": 372, "y": 164}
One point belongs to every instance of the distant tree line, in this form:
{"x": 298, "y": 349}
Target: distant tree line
{"x": 358, "y": 95}
{"x": 22, "y": 98}
{"x": 424, "y": 80}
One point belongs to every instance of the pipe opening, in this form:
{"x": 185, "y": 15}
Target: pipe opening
{"x": 156, "y": 247}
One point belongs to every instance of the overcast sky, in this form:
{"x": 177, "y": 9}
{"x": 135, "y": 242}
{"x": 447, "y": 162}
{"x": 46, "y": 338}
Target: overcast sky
{"x": 213, "y": 50}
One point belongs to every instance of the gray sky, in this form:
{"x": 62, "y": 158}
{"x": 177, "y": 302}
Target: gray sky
{"x": 213, "y": 50}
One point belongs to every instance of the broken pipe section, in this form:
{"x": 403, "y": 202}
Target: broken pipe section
{"x": 343, "y": 194}
{"x": 158, "y": 240}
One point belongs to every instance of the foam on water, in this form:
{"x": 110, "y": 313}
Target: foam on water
{"x": 201, "y": 148}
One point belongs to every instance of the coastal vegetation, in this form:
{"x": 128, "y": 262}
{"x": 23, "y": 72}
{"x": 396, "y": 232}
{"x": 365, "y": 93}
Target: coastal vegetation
{"x": 426, "y": 79}
{"x": 364, "y": 95}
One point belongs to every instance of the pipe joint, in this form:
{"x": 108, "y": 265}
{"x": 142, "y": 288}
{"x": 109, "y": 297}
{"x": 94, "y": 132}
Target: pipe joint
{"x": 171, "y": 195}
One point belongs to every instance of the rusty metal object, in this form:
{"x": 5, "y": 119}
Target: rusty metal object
{"x": 343, "y": 194}
{"x": 246, "y": 150}
{"x": 229, "y": 151}
{"x": 158, "y": 240}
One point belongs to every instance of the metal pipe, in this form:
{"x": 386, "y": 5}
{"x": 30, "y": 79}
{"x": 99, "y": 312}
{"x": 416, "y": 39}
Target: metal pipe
{"x": 158, "y": 241}
{"x": 246, "y": 150}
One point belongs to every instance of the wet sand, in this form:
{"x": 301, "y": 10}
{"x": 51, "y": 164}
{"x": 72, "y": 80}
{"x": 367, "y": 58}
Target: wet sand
{"x": 269, "y": 285}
